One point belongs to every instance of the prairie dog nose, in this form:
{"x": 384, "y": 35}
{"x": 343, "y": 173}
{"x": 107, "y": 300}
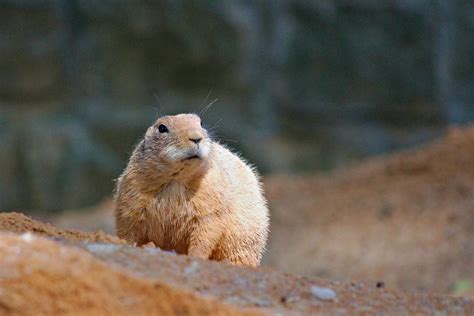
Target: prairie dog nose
{"x": 195, "y": 136}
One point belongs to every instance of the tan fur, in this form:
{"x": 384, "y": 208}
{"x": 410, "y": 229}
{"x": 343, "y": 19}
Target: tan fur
{"x": 210, "y": 207}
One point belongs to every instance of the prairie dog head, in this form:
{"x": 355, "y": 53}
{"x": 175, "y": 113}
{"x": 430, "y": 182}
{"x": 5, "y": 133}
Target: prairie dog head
{"x": 175, "y": 145}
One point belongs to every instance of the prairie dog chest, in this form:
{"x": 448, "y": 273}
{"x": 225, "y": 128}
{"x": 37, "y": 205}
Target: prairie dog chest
{"x": 170, "y": 216}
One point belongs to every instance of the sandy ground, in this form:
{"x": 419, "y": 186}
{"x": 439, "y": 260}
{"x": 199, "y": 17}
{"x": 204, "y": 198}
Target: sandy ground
{"x": 19, "y": 223}
{"x": 44, "y": 276}
{"x": 405, "y": 219}
{"x": 404, "y": 222}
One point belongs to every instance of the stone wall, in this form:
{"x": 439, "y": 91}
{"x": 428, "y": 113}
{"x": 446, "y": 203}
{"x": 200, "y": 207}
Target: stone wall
{"x": 302, "y": 85}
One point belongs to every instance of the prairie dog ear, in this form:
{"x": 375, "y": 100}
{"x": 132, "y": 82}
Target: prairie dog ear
{"x": 150, "y": 131}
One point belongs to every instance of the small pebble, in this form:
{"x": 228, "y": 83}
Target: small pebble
{"x": 28, "y": 237}
{"x": 260, "y": 302}
{"x": 151, "y": 244}
{"x": 288, "y": 299}
{"x": 380, "y": 285}
{"x": 191, "y": 269}
{"x": 357, "y": 285}
{"x": 323, "y": 293}
{"x": 99, "y": 248}
{"x": 153, "y": 251}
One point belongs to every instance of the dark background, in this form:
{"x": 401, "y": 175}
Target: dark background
{"x": 301, "y": 85}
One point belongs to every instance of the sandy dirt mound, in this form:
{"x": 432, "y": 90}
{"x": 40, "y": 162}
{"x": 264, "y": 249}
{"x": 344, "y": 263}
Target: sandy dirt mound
{"x": 38, "y": 276}
{"x": 57, "y": 277}
{"x": 406, "y": 219}
{"x": 274, "y": 292}
{"x": 19, "y": 223}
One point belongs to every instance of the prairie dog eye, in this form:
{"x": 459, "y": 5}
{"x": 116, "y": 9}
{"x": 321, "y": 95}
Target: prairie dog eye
{"x": 162, "y": 129}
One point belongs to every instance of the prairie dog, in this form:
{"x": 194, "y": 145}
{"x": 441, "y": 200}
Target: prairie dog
{"x": 187, "y": 193}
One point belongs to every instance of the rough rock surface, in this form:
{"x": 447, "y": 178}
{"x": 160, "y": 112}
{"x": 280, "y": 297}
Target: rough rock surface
{"x": 39, "y": 275}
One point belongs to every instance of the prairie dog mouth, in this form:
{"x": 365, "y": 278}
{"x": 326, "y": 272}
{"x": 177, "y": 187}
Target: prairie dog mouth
{"x": 200, "y": 153}
{"x": 192, "y": 157}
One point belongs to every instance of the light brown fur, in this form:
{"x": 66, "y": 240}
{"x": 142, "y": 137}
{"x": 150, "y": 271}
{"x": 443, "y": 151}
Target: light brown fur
{"x": 210, "y": 206}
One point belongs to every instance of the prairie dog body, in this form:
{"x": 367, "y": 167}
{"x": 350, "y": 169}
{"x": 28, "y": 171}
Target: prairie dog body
{"x": 186, "y": 193}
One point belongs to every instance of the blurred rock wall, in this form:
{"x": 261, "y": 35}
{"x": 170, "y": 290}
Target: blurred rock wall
{"x": 302, "y": 85}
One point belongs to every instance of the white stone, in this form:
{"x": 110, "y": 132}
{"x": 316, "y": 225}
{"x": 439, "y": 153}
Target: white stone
{"x": 323, "y": 293}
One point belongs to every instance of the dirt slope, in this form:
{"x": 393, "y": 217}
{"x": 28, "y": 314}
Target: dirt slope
{"x": 71, "y": 276}
{"x": 38, "y": 276}
{"x": 406, "y": 219}
{"x": 19, "y": 223}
